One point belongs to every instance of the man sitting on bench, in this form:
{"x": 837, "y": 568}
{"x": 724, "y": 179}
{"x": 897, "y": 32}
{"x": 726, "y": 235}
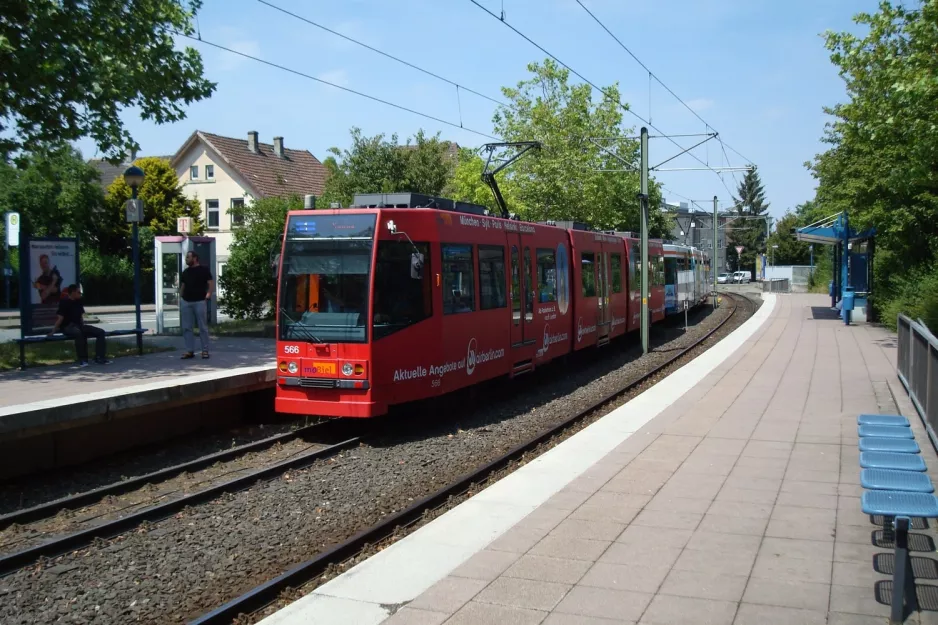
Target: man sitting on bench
{"x": 69, "y": 318}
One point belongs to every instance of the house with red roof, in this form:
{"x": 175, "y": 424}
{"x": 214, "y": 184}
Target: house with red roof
{"x": 224, "y": 172}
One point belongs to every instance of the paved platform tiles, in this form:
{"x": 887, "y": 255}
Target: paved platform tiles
{"x": 738, "y": 503}
{"x": 123, "y": 374}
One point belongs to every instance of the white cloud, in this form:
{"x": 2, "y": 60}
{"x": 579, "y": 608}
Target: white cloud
{"x": 700, "y": 104}
{"x": 335, "y": 76}
{"x": 235, "y": 39}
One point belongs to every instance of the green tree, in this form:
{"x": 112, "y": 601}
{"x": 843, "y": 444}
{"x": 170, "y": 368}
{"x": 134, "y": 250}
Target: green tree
{"x": 466, "y": 184}
{"x": 248, "y": 282}
{"x": 882, "y": 163}
{"x": 55, "y": 191}
{"x": 163, "y": 200}
{"x": 748, "y": 232}
{"x": 565, "y": 180}
{"x": 790, "y": 251}
{"x": 68, "y": 69}
{"x": 379, "y": 165}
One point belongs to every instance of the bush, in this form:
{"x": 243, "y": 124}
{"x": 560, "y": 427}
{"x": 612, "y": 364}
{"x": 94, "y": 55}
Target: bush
{"x": 249, "y": 285}
{"x": 109, "y": 280}
{"x": 915, "y": 294}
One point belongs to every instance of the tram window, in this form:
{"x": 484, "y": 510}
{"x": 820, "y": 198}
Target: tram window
{"x": 492, "y": 277}
{"x": 616, "y": 260}
{"x": 670, "y": 270}
{"x": 588, "y": 274}
{"x": 528, "y": 291}
{"x": 515, "y": 285}
{"x": 400, "y": 301}
{"x": 546, "y": 276}
{"x": 458, "y": 283}
{"x": 634, "y": 260}
{"x": 658, "y": 267}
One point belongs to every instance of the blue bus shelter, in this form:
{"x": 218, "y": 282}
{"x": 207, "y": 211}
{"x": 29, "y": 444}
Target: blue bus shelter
{"x": 852, "y": 285}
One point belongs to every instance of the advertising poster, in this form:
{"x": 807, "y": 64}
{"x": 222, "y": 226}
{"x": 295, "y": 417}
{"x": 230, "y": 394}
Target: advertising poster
{"x": 53, "y": 266}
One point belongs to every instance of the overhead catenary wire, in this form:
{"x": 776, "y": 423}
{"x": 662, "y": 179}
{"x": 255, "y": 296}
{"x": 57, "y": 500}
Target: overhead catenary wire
{"x": 651, "y": 74}
{"x": 332, "y": 84}
{"x": 382, "y": 52}
{"x": 600, "y": 89}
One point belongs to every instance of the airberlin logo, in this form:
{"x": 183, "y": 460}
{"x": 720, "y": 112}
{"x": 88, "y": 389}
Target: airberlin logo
{"x": 550, "y": 339}
{"x": 582, "y": 330}
{"x": 473, "y": 358}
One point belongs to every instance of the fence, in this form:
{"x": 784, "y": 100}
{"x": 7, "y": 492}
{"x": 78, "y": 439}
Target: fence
{"x": 917, "y": 366}
{"x": 776, "y": 285}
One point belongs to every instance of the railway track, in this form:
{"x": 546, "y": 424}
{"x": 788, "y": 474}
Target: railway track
{"x": 339, "y": 433}
{"x": 410, "y": 518}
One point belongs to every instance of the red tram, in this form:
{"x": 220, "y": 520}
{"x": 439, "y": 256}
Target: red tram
{"x": 382, "y": 306}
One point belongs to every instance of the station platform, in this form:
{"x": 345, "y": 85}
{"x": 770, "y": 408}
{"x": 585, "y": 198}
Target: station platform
{"x": 727, "y": 493}
{"x": 49, "y": 416}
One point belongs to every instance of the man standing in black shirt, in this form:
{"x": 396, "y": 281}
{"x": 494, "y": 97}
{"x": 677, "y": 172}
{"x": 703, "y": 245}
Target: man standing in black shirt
{"x": 69, "y": 319}
{"x": 195, "y": 288}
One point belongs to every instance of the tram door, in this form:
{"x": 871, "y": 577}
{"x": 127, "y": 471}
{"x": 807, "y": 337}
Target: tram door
{"x": 602, "y": 293}
{"x": 521, "y": 262}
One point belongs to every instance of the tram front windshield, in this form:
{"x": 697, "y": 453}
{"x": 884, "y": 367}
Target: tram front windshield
{"x": 324, "y": 278}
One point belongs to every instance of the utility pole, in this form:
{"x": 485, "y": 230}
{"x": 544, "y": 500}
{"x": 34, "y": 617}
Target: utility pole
{"x": 643, "y": 201}
{"x": 716, "y": 252}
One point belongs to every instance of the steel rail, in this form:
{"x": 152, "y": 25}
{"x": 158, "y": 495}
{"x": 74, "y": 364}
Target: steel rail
{"x": 70, "y": 542}
{"x": 79, "y": 500}
{"x": 266, "y": 593}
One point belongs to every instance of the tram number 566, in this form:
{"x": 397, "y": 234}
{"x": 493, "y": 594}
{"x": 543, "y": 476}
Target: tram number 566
{"x": 291, "y": 349}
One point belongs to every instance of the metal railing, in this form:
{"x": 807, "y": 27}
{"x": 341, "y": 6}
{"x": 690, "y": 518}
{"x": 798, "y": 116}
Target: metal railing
{"x": 917, "y": 366}
{"x": 776, "y": 285}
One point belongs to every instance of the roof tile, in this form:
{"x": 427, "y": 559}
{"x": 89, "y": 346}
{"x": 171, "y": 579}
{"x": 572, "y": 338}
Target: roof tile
{"x": 298, "y": 172}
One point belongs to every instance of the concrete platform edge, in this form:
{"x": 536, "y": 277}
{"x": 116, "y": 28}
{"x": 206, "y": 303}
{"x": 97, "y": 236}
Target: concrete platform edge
{"x": 26, "y": 420}
{"x": 367, "y": 593}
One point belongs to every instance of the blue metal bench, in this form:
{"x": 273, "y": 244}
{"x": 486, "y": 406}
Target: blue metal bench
{"x": 882, "y": 419}
{"x": 894, "y": 445}
{"x": 901, "y": 507}
{"x": 884, "y": 479}
{"x": 885, "y": 431}
{"x": 887, "y": 460}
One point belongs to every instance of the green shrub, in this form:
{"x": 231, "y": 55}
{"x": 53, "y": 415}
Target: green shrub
{"x": 914, "y": 294}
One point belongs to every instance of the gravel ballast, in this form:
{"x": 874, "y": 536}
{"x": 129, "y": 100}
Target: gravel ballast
{"x": 179, "y": 568}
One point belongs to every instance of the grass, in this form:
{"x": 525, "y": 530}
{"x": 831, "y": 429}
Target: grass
{"x": 264, "y": 328}
{"x": 46, "y": 354}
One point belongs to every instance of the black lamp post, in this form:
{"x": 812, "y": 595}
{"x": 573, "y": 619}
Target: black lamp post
{"x": 134, "y": 178}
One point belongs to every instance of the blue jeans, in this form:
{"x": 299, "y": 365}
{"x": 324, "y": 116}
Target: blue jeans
{"x": 189, "y": 314}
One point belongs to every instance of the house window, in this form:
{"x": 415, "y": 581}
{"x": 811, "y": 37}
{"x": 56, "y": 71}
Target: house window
{"x": 211, "y": 213}
{"x": 210, "y": 172}
{"x": 194, "y": 172}
{"x": 236, "y": 211}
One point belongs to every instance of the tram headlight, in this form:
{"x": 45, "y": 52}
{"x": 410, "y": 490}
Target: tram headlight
{"x": 347, "y": 369}
{"x": 292, "y": 368}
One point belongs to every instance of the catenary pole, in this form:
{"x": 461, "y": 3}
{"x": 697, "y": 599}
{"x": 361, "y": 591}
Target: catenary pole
{"x": 644, "y": 210}
{"x": 716, "y": 253}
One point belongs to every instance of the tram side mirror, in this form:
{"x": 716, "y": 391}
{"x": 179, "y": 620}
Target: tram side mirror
{"x": 275, "y": 266}
{"x": 416, "y": 266}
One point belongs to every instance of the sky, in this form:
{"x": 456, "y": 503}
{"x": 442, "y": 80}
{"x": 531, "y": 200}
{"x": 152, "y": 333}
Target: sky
{"x": 755, "y": 70}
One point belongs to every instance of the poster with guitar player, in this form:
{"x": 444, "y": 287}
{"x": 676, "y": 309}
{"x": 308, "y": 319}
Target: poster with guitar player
{"x": 53, "y": 266}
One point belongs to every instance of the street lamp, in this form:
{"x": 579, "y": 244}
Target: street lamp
{"x": 133, "y": 176}
{"x": 811, "y": 249}
{"x": 774, "y": 247}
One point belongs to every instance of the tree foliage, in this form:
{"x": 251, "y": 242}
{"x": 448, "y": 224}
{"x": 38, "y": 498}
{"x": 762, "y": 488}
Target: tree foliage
{"x": 565, "y": 179}
{"x": 163, "y": 200}
{"x": 882, "y": 163}
{"x": 379, "y": 165}
{"x": 249, "y": 286}
{"x": 55, "y": 191}
{"x": 747, "y": 232}
{"x": 790, "y": 251}
{"x": 69, "y": 68}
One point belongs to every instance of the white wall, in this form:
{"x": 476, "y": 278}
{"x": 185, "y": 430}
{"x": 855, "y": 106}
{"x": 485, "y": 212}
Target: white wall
{"x": 225, "y": 186}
